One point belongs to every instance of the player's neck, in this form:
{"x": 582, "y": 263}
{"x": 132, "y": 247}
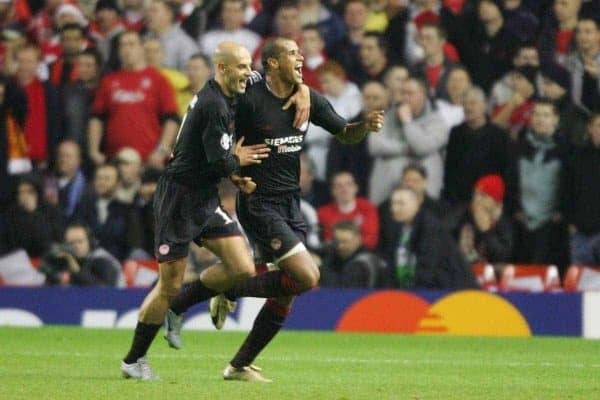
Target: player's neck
{"x": 279, "y": 88}
{"x": 219, "y": 80}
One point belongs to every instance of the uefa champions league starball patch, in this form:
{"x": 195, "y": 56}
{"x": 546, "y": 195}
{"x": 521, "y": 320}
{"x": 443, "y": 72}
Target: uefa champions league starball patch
{"x": 226, "y": 141}
{"x": 164, "y": 249}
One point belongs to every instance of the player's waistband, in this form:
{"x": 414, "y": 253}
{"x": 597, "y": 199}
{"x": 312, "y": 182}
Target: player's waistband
{"x": 203, "y": 188}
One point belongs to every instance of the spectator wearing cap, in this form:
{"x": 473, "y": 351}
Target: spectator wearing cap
{"x": 30, "y": 223}
{"x": 105, "y": 30}
{"x": 134, "y": 107}
{"x": 581, "y": 201}
{"x": 572, "y": 118}
{"x": 516, "y": 112}
{"x": 557, "y": 37}
{"x": 418, "y": 249}
{"x": 584, "y": 65}
{"x": 475, "y": 148}
{"x": 129, "y": 164}
{"x": 483, "y": 229}
{"x": 232, "y": 21}
{"x": 485, "y": 46}
{"x": 162, "y": 24}
{"x": 537, "y": 189}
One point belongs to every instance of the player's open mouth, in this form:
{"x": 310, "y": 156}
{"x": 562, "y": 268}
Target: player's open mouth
{"x": 298, "y": 70}
{"x": 242, "y": 83}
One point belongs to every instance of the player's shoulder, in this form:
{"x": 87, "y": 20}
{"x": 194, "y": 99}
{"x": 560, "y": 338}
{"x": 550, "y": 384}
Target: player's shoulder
{"x": 211, "y": 99}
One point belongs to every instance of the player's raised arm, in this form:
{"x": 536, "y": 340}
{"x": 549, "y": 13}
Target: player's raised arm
{"x": 356, "y": 132}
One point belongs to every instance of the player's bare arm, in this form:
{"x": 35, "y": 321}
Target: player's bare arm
{"x": 356, "y": 132}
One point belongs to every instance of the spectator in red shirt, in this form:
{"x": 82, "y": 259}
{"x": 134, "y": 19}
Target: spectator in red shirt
{"x": 40, "y": 28}
{"x": 346, "y": 206}
{"x": 436, "y": 67}
{"x": 133, "y": 15}
{"x": 130, "y": 106}
{"x": 43, "y": 123}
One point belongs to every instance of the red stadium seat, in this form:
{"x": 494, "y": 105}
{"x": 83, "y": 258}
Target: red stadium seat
{"x": 530, "y": 278}
{"x": 581, "y": 278}
{"x": 486, "y": 276}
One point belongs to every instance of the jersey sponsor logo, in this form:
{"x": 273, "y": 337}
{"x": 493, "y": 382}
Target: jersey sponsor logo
{"x": 128, "y": 96}
{"x": 164, "y": 249}
{"x": 226, "y": 141}
{"x": 285, "y": 140}
{"x": 288, "y": 149}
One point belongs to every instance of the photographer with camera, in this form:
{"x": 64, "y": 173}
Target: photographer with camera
{"x": 78, "y": 261}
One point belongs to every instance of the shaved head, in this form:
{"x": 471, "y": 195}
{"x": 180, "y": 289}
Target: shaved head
{"x": 232, "y": 67}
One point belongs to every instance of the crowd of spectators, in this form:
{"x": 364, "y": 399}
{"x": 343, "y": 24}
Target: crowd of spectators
{"x": 490, "y": 151}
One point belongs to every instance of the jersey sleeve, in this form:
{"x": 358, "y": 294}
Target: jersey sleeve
{"x": 100, "y": 105}
{"x": 323, "y": 114}
{"x": 215, "y": 137}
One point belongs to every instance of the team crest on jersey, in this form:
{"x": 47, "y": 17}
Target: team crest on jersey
{"x": 226, "y": 141}
{"x": 146, "y": 83}
{"x": 276, "y": 244}
{"x": 164, "y": 249}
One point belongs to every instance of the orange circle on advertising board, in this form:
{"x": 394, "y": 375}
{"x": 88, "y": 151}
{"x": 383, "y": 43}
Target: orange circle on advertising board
{"x": 389, "y": 311}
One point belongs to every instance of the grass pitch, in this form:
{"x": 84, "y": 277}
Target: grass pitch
{"x": 75, "y": 363}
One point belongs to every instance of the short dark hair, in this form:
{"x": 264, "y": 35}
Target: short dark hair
{"x": 588, "y": 17}
{"x": 379, "y": 38}
{"x": 416, "y": 167}
{"x": 72, "y": 27}
{"x": 95, "y": 54}
{"x": 342, "y": 172}
{"x": 312, "y": 27}
{"x": 549, "y": 103}
{"x": 271, "y": 49}
{"x": 201, "y": 56}
{"x": 349, "y": 226}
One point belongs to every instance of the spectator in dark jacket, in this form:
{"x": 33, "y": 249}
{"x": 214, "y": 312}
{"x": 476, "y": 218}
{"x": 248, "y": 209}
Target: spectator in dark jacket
{"x": 110, "y": 220}
{"x": 557, "y": 38}
{"x": 419, "y": 251}
{"x": 520, "y": 20}
{"x": 538, "y": 167}
{"x": 583, "y": 199}
{"x": 349, "y": 264}
{"x": 483, "y": 230}
{"x": 475, "y": 148}
{"x": 30, "y": 223}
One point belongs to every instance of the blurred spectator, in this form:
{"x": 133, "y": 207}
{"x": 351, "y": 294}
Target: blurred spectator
{"x": 30, "y": 223}
{"x": 64, "y": 69}
{"x": 355, "y": 158}
{"x": 312, "y": 191}
{"x": 394, "y": 78}
{"x": 40, "y": 28}
{"x": 232, "y": 18}
{"x": 105, "y": 31}
{"x": 485, "y": 47}
{"x": 14, "y": 14}
{"x": 349, "y": 264}
{"x": 80, "y": 262}
{"x": 134, "y": 15}
{"x": 516, "y": 113}
{"x": 475, "y": 148}
{"x": 573, "y": 119}
{"x": 312, "y": 47}
{"x": 419, "y": 252}
{"x": 67, "y": 186}
{"x": 582, "y": 194}
{"x": 483, "y": 229}
{"x": 538, "y": 168}
{"x": 129, "y": 164}
{"x": 155, "y": 56}
{"x": 346, "y": 100}
{"x": 43, "y": 128}
{"x": 373, "y": 59}
{"x": 457, "y": 86}
{"x": 162, "y": 24}
{"x": 14, "y": 156}
{"x": 53, "y": 49}
{"x": 330, "y": 25}
{"x": 397, "y": 32}
{"x": 412, "y": 131}
{"x": 584, "y": 65}
{"x": 347, "y": 50}
{"x": 111, "y": 221}
{"x": 78, "y": 96}
{"x": 346, "y": 206}
{"x": 194, "y": 16}
{"x": 520, "y": 20}
{"x": 198, "y": 71}
{"x": 436, "y": 67}
{"x": 129, "y": 107}
{"x": 503, "y": 90}
{"x": 145, "y": 212}
{"x": 556, "y": 38}
{"x": 10, "y": 41}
